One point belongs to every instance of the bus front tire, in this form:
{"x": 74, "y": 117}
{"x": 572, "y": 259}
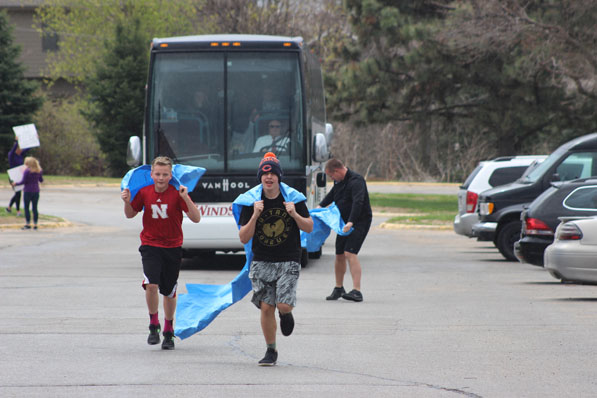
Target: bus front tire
{"x": 315, "y": 255}
{"x": 304, "y": 258}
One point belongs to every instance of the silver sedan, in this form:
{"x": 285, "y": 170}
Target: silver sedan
{"x": 573, "y": 255}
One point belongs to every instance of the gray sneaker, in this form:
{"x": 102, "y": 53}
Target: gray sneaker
{"x": 336, "y": 293}
{"x": 353, "y": 295}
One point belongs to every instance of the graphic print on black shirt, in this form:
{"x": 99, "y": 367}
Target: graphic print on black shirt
{"x": 277, "y": 236}
{"x": 273, "y": 227}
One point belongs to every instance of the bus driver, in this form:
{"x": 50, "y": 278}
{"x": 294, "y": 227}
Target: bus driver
{"x": 274, "y": 141}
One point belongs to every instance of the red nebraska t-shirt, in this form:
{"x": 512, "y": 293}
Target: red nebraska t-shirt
{"x": 162, "y": 217}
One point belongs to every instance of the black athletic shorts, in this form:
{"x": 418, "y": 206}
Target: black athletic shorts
{"x": 352, "y": 243}
{"x": 161, "y": 267}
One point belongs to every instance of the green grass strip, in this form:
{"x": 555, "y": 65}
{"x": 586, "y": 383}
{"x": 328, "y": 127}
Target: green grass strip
{"x": 429, "y": 209}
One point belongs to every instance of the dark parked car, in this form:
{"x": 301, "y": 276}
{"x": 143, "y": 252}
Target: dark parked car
{"x": 500, "y": 208}
{"x": 577, "y": 198}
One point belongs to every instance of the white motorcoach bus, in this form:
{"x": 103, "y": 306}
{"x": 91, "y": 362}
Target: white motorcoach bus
{"x": 209, "y": 100}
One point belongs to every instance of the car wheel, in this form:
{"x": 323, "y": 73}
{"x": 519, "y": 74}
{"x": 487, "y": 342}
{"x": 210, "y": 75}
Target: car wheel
{"x": 304, "y": 258}
{"x": 508, "y": 235}
{"x": 316, "y": 254}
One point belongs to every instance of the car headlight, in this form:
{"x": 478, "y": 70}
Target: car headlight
{"x": 486, "y": 208}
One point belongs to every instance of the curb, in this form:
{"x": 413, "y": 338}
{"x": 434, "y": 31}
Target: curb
{"x": 41, "y": 225}
{"x": 386, "y": 225}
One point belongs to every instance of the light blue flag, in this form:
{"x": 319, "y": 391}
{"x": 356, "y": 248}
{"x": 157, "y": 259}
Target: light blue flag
{"x": 325, "y": 219}
{"x": 140, "y": 177}
{"x": 196, "y": 309}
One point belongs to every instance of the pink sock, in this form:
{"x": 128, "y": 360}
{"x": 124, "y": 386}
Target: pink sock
{"x": 168, "y": 325}
{"x": 153, "y": 319}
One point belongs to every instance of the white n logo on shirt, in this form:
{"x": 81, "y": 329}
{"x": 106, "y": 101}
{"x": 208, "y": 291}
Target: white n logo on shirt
{"x": 159, "y": 211}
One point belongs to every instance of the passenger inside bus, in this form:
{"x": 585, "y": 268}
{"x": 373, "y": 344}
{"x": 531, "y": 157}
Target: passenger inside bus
{"x": 270, "y": 101}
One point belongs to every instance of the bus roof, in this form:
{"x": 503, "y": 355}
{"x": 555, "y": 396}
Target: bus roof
{"x": 239, "y": 40}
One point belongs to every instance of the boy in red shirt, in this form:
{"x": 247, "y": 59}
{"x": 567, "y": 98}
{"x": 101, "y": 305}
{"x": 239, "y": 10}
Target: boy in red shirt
{"x": 161, "y": 241}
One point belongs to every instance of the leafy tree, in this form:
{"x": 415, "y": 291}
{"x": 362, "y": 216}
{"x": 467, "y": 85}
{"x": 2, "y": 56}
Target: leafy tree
{"x": 514, "y": 73}
{"x": 69, "y": 146}
{"x": 18, "y": 101}
{"x": 525, "y": 69}
{"x": 84, "y": 26}
{"x": 117, "y": 92}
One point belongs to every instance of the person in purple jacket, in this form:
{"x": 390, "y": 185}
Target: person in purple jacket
{"x": 31, "y": 179}
{"x": 16, "y": 156}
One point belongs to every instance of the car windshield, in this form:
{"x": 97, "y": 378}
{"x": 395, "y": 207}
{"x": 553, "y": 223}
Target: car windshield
{"x": 532, "y": 175}
{"x": 529, "y": 169}
{"x": 223, "y": 111}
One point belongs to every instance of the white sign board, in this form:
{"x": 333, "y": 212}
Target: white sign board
{"x": 16, "y": 174}
{"x": 26, "y": 135}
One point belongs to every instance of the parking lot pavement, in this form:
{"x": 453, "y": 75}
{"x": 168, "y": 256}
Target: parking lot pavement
{"x": 442, "y": 316}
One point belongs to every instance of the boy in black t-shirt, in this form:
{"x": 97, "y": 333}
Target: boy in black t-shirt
{"x": 274, "y": 225}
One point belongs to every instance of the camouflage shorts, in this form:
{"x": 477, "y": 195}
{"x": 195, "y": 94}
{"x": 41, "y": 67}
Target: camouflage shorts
{"x": 274, "y": 282}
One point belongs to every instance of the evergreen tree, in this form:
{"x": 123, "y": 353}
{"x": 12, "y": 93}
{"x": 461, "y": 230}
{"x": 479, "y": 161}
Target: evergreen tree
{"x": 18, "y": 101}
{"x": 117, "y": 94}
{"x": 516, "y": 73}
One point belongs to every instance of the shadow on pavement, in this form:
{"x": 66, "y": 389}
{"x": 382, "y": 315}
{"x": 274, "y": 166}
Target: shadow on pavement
{"x": 222, "y": 262}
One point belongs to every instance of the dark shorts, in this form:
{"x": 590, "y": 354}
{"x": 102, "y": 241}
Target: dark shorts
{"x": 161, "y": 267}
{"x": 352, "y": 243}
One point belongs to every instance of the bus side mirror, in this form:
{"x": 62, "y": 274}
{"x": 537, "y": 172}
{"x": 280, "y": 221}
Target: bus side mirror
{"x": 321, "y": 180}
{"x": 329, "y": 135}
{"x": 133, "y": 151}
{"x": 320, "y": 148}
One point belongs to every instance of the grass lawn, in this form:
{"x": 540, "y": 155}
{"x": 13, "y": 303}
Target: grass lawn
{"x": 416, "y": 209}
{"x": 12, "y": 218}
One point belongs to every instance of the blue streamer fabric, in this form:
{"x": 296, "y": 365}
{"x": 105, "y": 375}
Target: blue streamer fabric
{"x": 140, "y": 177}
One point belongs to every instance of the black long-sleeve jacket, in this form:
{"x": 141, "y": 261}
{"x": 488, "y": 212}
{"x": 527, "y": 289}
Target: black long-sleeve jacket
{"x": 351, "y": 197}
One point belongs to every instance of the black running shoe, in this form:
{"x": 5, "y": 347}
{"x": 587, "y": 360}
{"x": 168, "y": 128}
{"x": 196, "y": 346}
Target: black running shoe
{"x": 286, "y": 323}
{"x": 353, "y": 295}
{"x": 168, "y": 343}
{"x": 154, "y": 334}
{"x": 336, "y": 293}
{"x": 270, "y": 358}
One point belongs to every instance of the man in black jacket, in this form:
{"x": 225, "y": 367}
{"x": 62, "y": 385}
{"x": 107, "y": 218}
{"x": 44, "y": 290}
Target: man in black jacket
{"x": 351, "y": 196}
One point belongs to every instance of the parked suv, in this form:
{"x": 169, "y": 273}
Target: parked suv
{"x": 488, "y": 174}
{"x": 572, "y": 199}
{"x": 500, "y": 207}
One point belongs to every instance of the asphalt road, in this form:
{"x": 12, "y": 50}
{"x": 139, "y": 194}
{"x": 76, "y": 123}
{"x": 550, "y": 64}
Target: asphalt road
{"x": 443, "y": 316}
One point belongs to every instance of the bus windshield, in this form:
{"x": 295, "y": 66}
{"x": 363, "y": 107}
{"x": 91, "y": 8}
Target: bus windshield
{"x": 224, "y": 110}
